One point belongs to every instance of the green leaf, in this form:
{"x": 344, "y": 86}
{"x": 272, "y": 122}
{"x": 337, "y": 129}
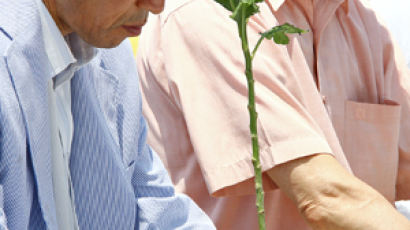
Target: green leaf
{"x": 228, "y": 4}
{"x": 244, "y": 10}
{"x": 278, "y": 33}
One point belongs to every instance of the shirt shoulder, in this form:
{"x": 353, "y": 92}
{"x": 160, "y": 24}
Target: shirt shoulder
{"x": 363, "y": 12}
{"x": 396, "y": 17}
{"x": 178, "y": 7}
{"x": 173, "y": 6}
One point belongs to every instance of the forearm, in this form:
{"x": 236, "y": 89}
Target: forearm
{"x": 331, "y": 198}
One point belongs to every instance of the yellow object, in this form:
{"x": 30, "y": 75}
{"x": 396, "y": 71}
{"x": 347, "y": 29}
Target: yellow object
{"x": 134, "y": 43}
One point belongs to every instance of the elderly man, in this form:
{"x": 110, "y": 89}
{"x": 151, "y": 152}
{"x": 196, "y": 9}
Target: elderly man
{"x": 72, "y": 138}
{"x": 335, "y": 99}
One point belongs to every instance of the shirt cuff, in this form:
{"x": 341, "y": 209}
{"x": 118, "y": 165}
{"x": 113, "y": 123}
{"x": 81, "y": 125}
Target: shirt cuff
{"x": 237, "y": 178}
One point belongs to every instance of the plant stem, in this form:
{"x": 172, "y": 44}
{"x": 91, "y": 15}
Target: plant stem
{"x": 232, "y": 4}
{"x": 256, "y": 47}
{"x": 253, "y": 124}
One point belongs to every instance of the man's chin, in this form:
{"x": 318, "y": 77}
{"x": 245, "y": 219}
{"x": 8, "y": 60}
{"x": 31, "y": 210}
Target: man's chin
{"x": 105, "y": 43}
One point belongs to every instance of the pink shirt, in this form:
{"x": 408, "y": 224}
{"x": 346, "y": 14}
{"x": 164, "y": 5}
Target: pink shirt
{"x": 341, "y": 89}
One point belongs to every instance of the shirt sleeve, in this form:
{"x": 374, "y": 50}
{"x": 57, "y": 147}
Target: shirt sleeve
{"x": 159, "y": 207}
{"x": 200, "y": 66}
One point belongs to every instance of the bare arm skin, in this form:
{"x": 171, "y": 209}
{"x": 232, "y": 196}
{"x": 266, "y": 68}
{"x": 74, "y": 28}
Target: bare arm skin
{"x": 330, "y": 198}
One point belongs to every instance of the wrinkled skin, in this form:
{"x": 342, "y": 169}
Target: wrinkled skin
{"x": 100, "y": 22}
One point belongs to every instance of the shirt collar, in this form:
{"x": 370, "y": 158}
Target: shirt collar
{"x": 276, "y": 4}
{"x": 65, "y": 54}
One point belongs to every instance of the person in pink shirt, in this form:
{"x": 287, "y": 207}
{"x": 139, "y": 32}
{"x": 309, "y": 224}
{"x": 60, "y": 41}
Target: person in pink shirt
{"x": 395, "y": 14}
{"x": 333, "y": 102}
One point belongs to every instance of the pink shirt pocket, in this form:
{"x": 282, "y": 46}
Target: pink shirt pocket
{"x": 370, "y": 142}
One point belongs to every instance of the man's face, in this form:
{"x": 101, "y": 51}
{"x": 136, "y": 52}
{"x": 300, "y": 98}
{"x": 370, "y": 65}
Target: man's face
{"x": 106, "y": 23}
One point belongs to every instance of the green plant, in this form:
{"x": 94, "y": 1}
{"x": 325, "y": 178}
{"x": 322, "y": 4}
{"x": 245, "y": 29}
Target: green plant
{"x": 242, "y": 10}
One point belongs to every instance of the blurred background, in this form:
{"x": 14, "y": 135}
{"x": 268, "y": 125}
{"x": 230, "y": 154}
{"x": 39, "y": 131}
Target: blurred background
{"x": 134, "y": 43}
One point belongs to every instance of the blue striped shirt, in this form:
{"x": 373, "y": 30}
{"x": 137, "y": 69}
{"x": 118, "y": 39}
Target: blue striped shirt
{"x": 118, "y": 181}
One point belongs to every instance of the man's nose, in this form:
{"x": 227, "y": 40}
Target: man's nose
{"x": 154, "y": 6}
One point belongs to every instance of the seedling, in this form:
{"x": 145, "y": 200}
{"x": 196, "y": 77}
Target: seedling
{"x": 242, "y": 10}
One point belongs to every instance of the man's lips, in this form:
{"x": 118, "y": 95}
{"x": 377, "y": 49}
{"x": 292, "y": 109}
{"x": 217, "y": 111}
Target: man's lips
{"x": 133, "y": 30}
